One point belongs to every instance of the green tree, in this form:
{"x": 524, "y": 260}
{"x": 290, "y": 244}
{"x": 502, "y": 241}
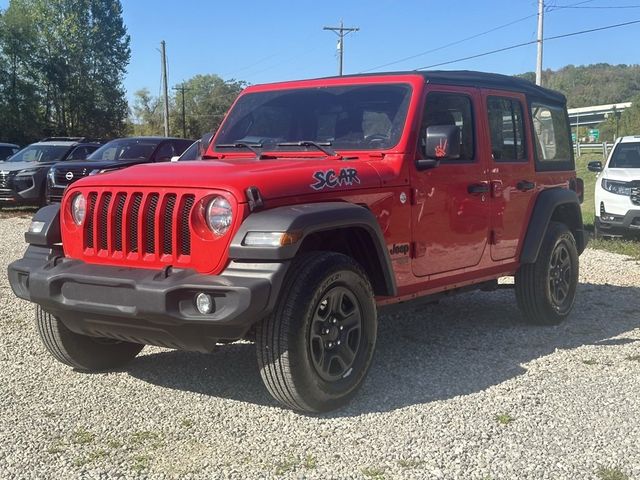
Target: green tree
{"x": 67, "y": 60}
{"x": 206, "y": 98}
{"x": 628, "y": 123}
{"x": 147, "y": 114}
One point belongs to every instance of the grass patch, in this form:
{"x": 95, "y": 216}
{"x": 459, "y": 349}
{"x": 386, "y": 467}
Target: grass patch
{"x": 614, "y": 473}
{"x": 57, "y": 446}
{"x": 504, "y": 418}
{"x": 377, "y": 473}
{"x": 286, "y": 466}
{"x": 631, "y": 248}
{"x": 82, "y": 436}
{"x": 147, "y": 437}
{"x": 187, "y": 423}
{"x": 410, "y": 463}
{"x": 114, "y": 443}
{"x": 93, "y": 456}
{"x": 589, "y": 361}
{"x": 633, "y": 358}
{"x": 310, "y": 462}
{"x": 140, "y": 463}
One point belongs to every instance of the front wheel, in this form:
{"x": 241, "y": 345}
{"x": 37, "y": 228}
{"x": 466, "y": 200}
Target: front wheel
{"x": 315, "y": 349}
{"x": 546, "y": 289}
{"x": 82, "y": 352}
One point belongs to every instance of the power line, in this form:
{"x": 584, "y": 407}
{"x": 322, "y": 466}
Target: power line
{"x": 523, "y": 44}
{"x": 466, "y": 39}
{"x": 597, "y": 7}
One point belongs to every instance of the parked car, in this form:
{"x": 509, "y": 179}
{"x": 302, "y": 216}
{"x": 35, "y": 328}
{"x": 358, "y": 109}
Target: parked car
{"x": 23, "y": 175}
{"x": 317, "y": 203}
{"x": 7, "y": 149}
{"x": 195, "y": 151}
{"x": 617, "y": 195}
{"x": 114, "y": 155}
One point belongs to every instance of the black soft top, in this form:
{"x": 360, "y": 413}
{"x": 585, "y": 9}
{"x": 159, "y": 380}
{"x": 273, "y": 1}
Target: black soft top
{"x": 469, "y": 78}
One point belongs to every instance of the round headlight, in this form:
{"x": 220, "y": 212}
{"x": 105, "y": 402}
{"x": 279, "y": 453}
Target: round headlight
{"x": 219, "y": 215}
{"x": 78, "y": 208}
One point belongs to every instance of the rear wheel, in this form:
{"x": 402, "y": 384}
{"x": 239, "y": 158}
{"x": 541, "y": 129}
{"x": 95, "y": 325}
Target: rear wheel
{"x": 315, "y": 349}
{"x": 81, "y": 351}
{"x": 546, "y": 289}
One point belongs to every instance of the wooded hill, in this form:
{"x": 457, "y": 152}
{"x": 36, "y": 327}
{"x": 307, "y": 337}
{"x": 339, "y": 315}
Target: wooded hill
{"x": 596, "y": 84}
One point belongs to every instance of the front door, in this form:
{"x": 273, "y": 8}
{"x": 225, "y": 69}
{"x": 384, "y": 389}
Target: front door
{"x": 451, "y": 213}
{"x": 512, "y": 174}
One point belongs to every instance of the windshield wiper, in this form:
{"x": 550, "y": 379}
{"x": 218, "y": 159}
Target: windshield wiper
{"x": 324, "y": 147}
{"x": 249, "y": 146}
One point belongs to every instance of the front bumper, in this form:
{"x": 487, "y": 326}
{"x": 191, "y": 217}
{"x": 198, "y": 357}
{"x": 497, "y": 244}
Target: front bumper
{"x": 619, "y": 224}
{"x": 147, "y": 306}
{"x": 20, "y": 189}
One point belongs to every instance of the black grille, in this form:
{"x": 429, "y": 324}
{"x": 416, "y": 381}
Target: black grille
{"x": 119, "y": 214}
{"x": 103, "y": 221}
{"x": 167, "y": 224}
{"x": 5, "y": 180}
{"x": 60, "y": 174}
{"x": 185, "y": 233}
{"x": 150, "y": 228}
{"x": 89, "y": 227}
{"x": 133, "y": 221}
{"x": 635, "y": 194}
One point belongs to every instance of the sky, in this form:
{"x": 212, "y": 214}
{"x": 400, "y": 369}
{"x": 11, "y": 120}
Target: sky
{"x": 274, "y": 40}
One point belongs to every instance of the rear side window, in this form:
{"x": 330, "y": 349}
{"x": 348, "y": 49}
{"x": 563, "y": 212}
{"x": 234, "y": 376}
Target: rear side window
{"x": 626, "y": 155}
{"x": 506, "y": 126}
{"x": 451, "y": 109}
{"x": 551, "y": 138}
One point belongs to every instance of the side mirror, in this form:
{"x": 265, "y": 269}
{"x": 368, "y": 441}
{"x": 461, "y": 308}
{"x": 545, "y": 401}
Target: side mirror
{"x": 594, "y": 166}
{"x": 442, "y": 142}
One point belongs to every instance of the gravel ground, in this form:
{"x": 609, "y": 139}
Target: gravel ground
{"x": 458, "y": 390}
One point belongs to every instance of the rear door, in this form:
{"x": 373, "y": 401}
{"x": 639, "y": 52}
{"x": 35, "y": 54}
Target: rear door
{"x": 450, "y": 214}
{"x": 511, "y": 172}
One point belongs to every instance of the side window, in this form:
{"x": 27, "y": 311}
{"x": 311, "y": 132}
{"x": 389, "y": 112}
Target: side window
{"x": 506, "y": 126}
{"x": 165, "y": 152}
{"x": 80, "y": 153}
{"x": 551, "y": 137}
{"x": 451, "y": 109}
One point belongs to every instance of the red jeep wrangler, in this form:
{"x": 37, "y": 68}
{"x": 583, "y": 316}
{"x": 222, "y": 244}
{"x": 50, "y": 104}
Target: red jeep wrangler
{"x": 318, "y": 203}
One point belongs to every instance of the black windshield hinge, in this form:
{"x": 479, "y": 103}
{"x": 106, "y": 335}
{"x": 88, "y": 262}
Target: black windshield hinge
{"x": 254, "y": 198}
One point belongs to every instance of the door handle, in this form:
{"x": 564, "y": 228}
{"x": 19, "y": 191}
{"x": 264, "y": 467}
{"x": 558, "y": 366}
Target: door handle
{"x": 525, "y": 185}
{"x": 477, "y": 188}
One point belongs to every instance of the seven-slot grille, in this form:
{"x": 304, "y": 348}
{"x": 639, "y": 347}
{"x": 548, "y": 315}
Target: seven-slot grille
{"x": 151, "y": 225}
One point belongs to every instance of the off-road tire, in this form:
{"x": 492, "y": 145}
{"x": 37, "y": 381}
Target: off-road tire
{"x": 289, "y": 344}
{"x": 534, "y": 281}
{"x": 82, "y": 352}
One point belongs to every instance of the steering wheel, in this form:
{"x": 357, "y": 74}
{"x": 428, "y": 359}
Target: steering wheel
{"x": 375, "y": 137}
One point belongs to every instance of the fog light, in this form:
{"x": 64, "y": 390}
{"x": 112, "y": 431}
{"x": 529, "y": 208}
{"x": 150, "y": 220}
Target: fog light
{"x": 204, "y": 303}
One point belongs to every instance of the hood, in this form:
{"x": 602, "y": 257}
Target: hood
{"x": 622, "y": 174}
{"x": 15, "y": 166}
{"x": 274, "y": 177}
{"x": 97, "y": 164}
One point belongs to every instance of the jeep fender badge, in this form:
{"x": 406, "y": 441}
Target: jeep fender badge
{"x": 329, "y": 178}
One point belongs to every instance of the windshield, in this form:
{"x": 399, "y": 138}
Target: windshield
{"x": 626, "y": 155}
{"x": 40, "y": 153}
{"x": 191, "y": 153}
{"x": 125, "y": 149}
{"x": 363, "y": 117}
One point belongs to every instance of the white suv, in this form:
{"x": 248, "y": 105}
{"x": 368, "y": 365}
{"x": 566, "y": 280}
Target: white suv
{"x": 617, "y": 196}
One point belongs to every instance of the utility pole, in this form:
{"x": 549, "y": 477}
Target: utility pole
{"x": 182, "y": 89}
{"x": 341, "y": 32}
{"x": 165, "y": 87}
{"x": 540, "y": 40}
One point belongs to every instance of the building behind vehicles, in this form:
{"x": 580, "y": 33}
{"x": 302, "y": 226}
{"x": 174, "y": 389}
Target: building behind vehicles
{"x": 317, "y": 203}
{"x": 617, "y": 190}
{"x": 23, "y": 175}
{"x": 7, "y": 150}
{"x": 114, "y": 155}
